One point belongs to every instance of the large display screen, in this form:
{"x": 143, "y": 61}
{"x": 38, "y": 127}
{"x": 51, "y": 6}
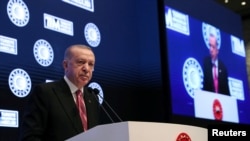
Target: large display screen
{"x": 197, "y": 91}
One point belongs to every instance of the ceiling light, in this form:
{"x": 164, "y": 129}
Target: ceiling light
{"x": 243, "y": 3}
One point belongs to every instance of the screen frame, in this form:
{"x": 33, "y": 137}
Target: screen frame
{"x": 184, "y": 6}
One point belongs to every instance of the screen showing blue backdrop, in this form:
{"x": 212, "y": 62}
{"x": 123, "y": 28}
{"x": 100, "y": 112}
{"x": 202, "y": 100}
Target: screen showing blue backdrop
{"x": 187, "y": 45}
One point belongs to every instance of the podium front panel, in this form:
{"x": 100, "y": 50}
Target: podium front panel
{"x": 143, "y": 131}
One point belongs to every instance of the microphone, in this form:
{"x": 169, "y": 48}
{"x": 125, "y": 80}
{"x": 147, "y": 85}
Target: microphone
{"x": 96, "y": 92}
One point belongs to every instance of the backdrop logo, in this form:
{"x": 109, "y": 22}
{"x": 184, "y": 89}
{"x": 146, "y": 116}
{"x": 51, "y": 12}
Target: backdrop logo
{"x": 192, "y": 76}
{"x": 58, "y": 24}
{"x": 183, "y": 137}
{"x": 19, "y": 82}
{"x": 217, "y": 110}
{"x": 238, "y": 46}
{"x": 236, "y": 88}
{"x": 97, "y": 86}
{"x": 92, "y": 34}
{"x": 209, "y": 30}
{"x": 8, "y": 45}
{"x": 84, "y": 4}
{"x": 8, "y": 118}
{"x": 177, "y": 21}
{"x": 18, "y": 12}
{"x": 43, "y": 53}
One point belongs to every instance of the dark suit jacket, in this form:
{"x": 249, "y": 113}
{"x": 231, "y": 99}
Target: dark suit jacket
{"x": 52, "y": 114}
{"x": 208, "y": 77}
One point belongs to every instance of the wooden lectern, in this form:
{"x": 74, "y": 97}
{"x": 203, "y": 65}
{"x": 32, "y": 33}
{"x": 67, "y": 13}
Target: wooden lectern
{"x": 143, "y": 131}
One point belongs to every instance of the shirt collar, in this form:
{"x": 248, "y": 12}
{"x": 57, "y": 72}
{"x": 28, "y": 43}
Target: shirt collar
{"x": 215, "y": 62}
{"x": 72, "y": 87}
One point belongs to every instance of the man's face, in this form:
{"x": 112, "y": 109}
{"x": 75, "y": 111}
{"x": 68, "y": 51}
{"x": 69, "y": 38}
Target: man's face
{"x": 79, "y": 68}
{"x": 213, "y": 48}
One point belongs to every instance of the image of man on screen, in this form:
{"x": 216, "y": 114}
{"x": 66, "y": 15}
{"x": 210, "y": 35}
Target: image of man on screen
{"x": 215, "y": 72}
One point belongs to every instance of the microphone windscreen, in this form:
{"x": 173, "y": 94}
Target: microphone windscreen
{"x": 90, "y": 89}
{"x": 96, "y": 91}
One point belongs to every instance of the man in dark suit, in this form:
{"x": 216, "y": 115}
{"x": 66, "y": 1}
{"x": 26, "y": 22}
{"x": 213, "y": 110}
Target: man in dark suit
{"x": 51, "y": 113}
{"x": 215, "y": 72}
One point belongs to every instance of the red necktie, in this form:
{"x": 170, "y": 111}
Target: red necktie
{"x": 215, "y": 79}
{"x": 82, "y": 109}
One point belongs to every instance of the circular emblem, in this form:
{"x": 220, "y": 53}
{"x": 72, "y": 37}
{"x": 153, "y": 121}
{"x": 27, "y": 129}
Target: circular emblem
{"x": 183, "y": 137}
{"x": 208, "y": 30}
{"x": 94, "y": 85}
{"x": 19, "y": 82}
{"x": 43, "y": 52}
{"x": 18, "y": 12}
{"x": 192, "y": 76}
{"x": 92, "y": 34}
{"x": 217, "y": 110}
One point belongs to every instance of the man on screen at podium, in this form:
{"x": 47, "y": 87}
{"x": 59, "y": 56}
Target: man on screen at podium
{"x": 215, "y": 72}
{"x": 52, "y": 112}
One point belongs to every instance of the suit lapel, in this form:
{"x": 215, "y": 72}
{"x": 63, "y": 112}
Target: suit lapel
{"x": 66, "y": 100}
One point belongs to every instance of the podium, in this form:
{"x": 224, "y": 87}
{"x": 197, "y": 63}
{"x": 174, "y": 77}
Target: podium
{"x": 214, "y": 106}
{"x": 143, "y": 131}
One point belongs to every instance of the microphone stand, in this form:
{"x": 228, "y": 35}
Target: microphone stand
{"x": 113, "y": 111}
{"x": 96, "y": 93}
